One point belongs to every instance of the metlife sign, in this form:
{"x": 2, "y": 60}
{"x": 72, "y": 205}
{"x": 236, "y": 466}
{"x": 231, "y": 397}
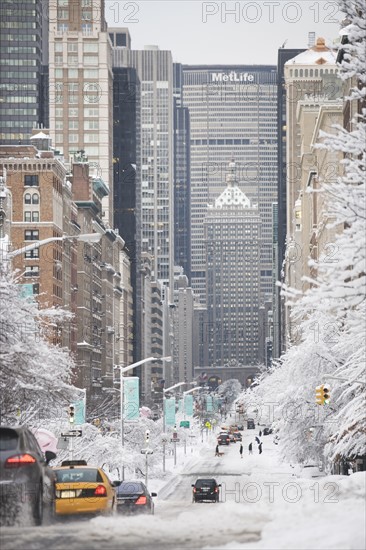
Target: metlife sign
{"x": 232, "y": 76}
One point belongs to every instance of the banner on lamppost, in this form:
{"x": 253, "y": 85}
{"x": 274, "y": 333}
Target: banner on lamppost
{"x": 209, "y": 407}
{"x": 170, "y": 411}
{"x": 188, "y": 405}
{"x": 131, "y": 400}
{"x": 80, "y": 407}
{"x": 181, "y": 406}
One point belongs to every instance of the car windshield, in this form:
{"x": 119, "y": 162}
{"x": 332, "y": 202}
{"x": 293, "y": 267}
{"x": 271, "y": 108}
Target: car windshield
{"x": 8, "y": 439}
{"x": 130, "y": 488}
{"x": 205, "y": 483}
{"x": 78, "y": 475}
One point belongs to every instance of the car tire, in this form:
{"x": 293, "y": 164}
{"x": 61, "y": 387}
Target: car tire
{"x": 38, "y": 507}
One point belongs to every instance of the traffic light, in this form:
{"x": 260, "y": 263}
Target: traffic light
{"x": 319, "y": 395}
{"x": 147, "y": 437}
{"x": 71, "y": 414}
{"x": 326, "y": 395}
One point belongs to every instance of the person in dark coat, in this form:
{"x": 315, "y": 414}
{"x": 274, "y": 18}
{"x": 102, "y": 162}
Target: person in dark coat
{"x": 217, "y": 451}
{"x": 257, "y": 440}
{"x": 260, "y": 433}
{"x": 250, "y": 448}
{"x": 260, "y": 448}
{"x": 241, "y": 451}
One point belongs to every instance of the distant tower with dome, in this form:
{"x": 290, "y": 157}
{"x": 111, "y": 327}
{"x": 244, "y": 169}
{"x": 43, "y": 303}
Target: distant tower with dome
{"x": 232, "y": 244}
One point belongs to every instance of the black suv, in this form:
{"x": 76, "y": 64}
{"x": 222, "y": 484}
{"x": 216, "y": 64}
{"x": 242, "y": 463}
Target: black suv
{"x": 25, "y": 477}
{"x": 206, "y": 489}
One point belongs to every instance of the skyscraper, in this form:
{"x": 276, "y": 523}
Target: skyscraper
{"x": 154, "y": 69}
{"x": 232, "y": 114}
{"x": 182, "y": 186}
{"x": 23, "y": 52}
{"x": 80, "y": 80}
{"x": 232, "y": 239}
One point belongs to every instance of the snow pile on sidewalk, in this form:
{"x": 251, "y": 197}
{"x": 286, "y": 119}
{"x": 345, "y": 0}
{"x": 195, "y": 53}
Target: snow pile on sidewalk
{"x": 330, "y": 514}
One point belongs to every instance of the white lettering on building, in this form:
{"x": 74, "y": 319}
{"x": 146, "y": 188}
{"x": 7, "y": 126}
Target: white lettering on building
{"x": 232, "y": 77}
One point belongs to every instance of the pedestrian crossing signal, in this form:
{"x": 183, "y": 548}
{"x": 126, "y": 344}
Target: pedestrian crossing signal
{"x": 71, "y": 414}
{"x": 319, "y": 395}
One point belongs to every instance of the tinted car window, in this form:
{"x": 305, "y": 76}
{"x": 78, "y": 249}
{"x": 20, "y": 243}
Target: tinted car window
{"x": 79, "y": 475}
{"x": 130, "y": 488}
{"x": 205, "y": 483}
{"x": 8, "y": 439}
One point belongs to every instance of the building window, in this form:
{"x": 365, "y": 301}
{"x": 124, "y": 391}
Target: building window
{"x": 27, "y": 216}
{"x": 72, "y": 47}
{"x": 59, "y": 73}
{"x": 31, "y": 235}
{"x": 27, "y": 198}
{"x": 90, "y": 60}
{"x": 31, "y": 271}
{"x": 32, "y": 254}
{"x": 35, "y": 198}
{"x": 31, "y": 180}
{"x": 58, "y": 47}
{"x": 73, "y": 138}
{"x": 73, "y": 73}
{"x": 91, "y": 47}
{"x": 35, "y": 217}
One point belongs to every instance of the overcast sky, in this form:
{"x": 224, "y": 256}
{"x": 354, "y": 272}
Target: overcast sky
{"x": 206, "y": 33}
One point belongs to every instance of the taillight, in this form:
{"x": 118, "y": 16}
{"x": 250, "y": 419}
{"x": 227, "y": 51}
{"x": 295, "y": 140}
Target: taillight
{"x": 19, "y": 460}
{"x": 141, "y": 500}
{"x": 194, "y": 489}
{"x": 100, "y": 491}
{"x": 216, "y": 489}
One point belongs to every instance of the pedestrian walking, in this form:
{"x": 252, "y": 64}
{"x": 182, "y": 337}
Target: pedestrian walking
{"x": 217, "y": 451}
{"x": 241, "y": 451}
{"x": 260, "y": 433}
{"x": 260, "y": 448}
{"x": 250, "y": 448}
{"x": 257, "y": 440}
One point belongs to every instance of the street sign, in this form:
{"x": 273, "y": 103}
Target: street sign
{"x": 175, "y": 440}
{"x": 184, "y": 424}
{"x": 208, "y": 424}
{"x": 147, "y": 452}
{"x": 72, "y": 433}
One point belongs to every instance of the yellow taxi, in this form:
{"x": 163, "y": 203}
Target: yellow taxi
{"x": 83, "y": 489}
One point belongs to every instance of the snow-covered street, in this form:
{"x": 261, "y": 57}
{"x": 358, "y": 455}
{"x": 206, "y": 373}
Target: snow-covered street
{"x": 263, "y": 505}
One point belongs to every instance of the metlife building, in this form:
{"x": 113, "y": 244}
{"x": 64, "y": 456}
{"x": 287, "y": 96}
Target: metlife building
{"x": 233, "y": 116}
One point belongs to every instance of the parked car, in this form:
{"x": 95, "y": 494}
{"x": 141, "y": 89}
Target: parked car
{"x": 206, "y": 489}
{"x": 223, "y": 439}
{"x": 267, "y": 431}
{"x": 241, "y": 427}
{"x": 133, "y": 497}
{"x": 250, "y": 424}
{"x": 311, "y": 471}
{"x": 25, "y": 477}
{"x": 83, "y": 489}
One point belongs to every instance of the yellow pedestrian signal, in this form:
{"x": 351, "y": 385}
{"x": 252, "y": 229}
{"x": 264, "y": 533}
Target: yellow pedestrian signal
{"x": 319, "y": 395}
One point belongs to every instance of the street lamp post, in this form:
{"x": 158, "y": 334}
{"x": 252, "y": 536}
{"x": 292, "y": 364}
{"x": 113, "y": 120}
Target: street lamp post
{"x": 122, "y": 371}
{"x": 165, "y": 390}
{"x": 184, "y": 411}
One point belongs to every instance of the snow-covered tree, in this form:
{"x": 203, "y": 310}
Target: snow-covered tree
{"x": 331, "y": 315}
{"x": 229, "y": 390}
{"x": 34, "y": 374}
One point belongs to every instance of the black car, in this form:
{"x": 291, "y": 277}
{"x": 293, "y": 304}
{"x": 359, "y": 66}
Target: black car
{"x": 206, "y": 489}
{"x": 250, "y": 424}
{"x": 223, "y": 439}
{"x": 133, "y": 497}
{"x": 25, "y": 477}
{"x": 267, "y": 431}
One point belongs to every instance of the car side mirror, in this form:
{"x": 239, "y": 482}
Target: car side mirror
{"x": 49, "y": 455}
{"x": 154, "y": 494}
{"x": 116, "y": 483}
{"x": 219, "y": 484}
{"x": 192, "y": 485}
